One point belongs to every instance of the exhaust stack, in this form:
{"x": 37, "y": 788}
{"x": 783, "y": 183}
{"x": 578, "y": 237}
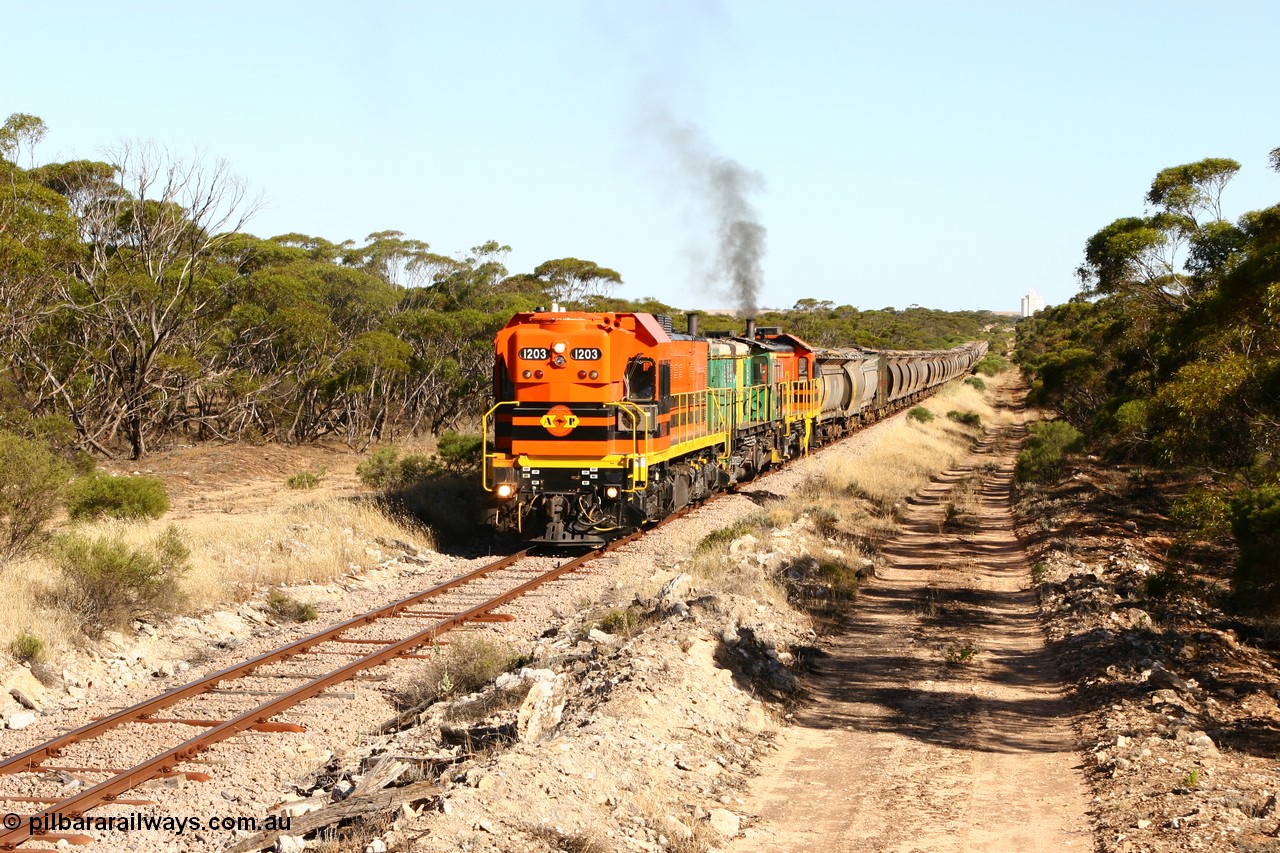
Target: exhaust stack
{"x": 693, "y": 324}
{"x": 751, "y": 329}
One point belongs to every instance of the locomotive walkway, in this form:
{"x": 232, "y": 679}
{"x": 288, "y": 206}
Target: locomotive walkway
{"x": 938, "y": 722}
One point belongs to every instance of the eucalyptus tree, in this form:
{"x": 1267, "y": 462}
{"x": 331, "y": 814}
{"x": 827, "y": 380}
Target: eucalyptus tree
{"x": 572, "y": 280}
{"x": 38, "y": 246}
{"x": 145, "y": 290}
{"x": 1193, "y": 188}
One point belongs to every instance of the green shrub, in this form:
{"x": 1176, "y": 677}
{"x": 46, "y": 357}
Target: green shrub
{"x": 110, "y": 584}
{"x": 972, "y": 419}
{"x": 303, "y": 480}
{"x": 381, "y": 469}
{"x": 921, "y": 414}
{"x": 962, "y": 655}
{"x": 26, "y": 648}
{"x": 459, "y": 452}
{"x": 990, "y": 365}
{"x": 32, "y": 484}
{"x": 289, "y": 608}
{"x": 58, "y": 433}
{"x": 1044, "y": 453}
{"x": 622, "y": 621}
{"x": 100, "y": 494}
{"x": 976, "y": 382}
{"x": 821, "y": 588}
{"x": 1204, "y": 512}
{"x": 1255, "y": 521}
{"x": 1132, "y": 418}
{"x": 841, "y": 579}
{"x": 55, "y": 433}
{"x": 387, "y": 469}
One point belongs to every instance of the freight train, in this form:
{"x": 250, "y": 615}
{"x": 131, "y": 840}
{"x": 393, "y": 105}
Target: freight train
{"x": 604, "y": 422}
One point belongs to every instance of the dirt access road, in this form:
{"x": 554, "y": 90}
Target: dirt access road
{"x": 938, "y": 722}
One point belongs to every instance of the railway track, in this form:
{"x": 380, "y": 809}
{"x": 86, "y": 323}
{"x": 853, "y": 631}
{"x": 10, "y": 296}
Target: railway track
{"x": 397, "y": 631}
{"x": 243, "y": 698}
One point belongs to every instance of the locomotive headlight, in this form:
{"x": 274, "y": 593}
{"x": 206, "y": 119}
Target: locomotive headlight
{"x": 528, "y": 374}
{"x": 558, "y": 348}
{"x": 504, "y": 490}
{"x": 594, "y": 374}
{"x": 611, "y": 492}
{"x": 558, "y": 361}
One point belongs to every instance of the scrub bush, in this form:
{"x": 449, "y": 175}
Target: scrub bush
{"x": 303, "y": 480}
{"x": 1255, "y": 521}
{"x": 1044, "y": 453}
{"x": 990, "y": 365}
{"x": 110, "y": 584}
{"x": 99, "y": 494}
{"x": 32, "y": 483}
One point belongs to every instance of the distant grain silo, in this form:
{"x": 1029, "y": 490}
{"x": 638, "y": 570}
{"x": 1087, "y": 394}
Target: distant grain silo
{"x": 1032, "y": 302}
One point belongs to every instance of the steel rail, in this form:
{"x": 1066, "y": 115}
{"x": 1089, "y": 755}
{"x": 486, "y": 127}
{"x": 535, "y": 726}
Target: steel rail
{"x": 31, "y": 759}
{"x": 105, "y": 792}
{"x": 108, "y": 791}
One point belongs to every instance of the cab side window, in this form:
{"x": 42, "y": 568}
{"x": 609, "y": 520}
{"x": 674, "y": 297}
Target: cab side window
{"x": 641, "y": 379}
{"x": 760, "y": 372}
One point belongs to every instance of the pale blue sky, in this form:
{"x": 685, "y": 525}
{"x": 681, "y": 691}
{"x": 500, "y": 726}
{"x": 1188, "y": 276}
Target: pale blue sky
{"x": 945, "y": 154}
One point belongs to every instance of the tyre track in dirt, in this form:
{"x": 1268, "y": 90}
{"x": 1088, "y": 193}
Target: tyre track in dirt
{"x": 937, "y": 720}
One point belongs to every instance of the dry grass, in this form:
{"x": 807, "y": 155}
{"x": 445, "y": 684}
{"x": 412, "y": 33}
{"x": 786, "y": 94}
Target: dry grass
{"x": 789, "y": 559}
{"x": 232, "y": 558}
{"x": 722, "y": 572}
{"x": 837, "y": 519}
{"x": 466, "y": 665}
{"x": 866, "y": 493}
{"x": 28, "y": 582}
{"x": 587, "y": 840}
{"x": 315, "y": 542}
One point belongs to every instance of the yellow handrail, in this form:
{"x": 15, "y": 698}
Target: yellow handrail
{"x": 484, "y": 436}
{"x": 638, "y": 459}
